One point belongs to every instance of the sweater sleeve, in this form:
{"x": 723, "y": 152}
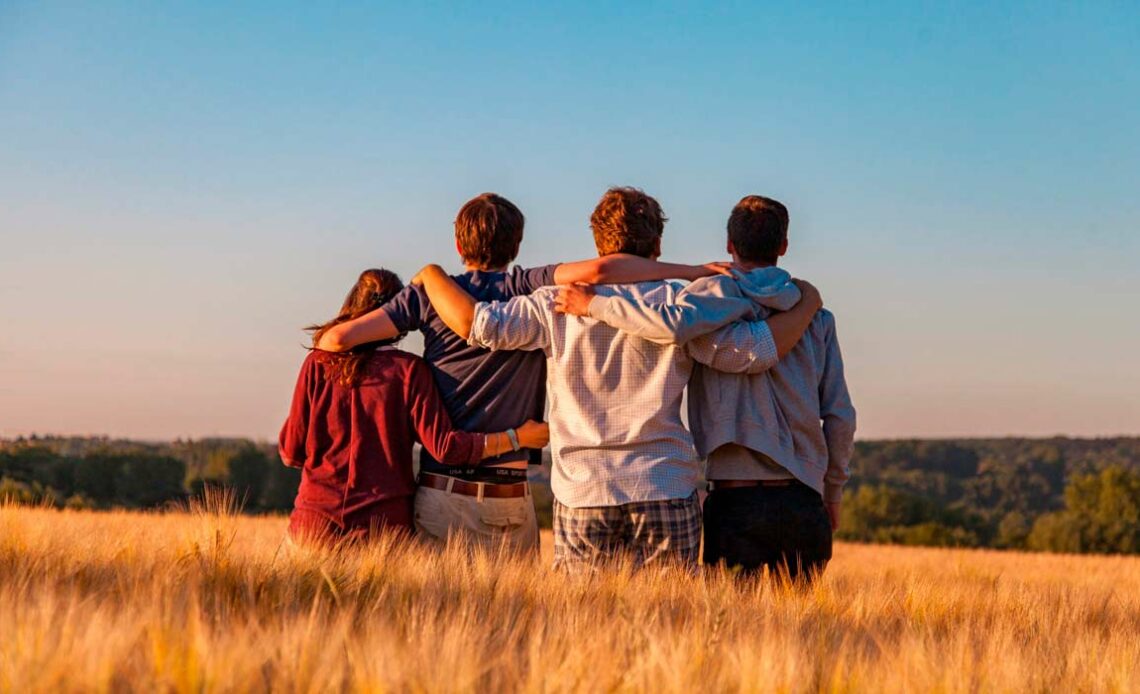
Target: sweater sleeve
{"x": 432, "y": 425}
{"x": 838, "y": 415}
{"x": 743, "y": 347}
{"x": 700, "y": 308}
{"x": 291, "y": 444}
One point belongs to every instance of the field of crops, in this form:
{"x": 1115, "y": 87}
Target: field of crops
{"x": 206, "y": 600}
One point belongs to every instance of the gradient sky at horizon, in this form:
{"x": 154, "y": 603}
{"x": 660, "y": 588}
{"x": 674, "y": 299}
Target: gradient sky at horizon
{"x": 184, "y": 185}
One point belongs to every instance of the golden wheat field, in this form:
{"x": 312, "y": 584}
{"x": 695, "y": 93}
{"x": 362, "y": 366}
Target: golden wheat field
{"x": 211, "y": 601}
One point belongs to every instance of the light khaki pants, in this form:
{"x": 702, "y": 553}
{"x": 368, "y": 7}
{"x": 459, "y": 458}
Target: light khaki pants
{"x": 487, "y": 522}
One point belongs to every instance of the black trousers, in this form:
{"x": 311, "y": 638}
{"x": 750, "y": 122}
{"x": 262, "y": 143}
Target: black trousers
{"x": 784, "y": 528}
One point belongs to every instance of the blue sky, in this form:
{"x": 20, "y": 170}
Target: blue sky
{"x": 184, "y": 185}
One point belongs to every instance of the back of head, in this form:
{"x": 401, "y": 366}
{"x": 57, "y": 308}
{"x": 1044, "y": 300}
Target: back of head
{"x": 373, "y": 289}
{"x": 627, "y": 220}
{"x": 488, "y": 231}
{"x": 758, "y": 229}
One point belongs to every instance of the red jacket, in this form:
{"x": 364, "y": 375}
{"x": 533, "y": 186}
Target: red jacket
{"x": 354, "y": 444}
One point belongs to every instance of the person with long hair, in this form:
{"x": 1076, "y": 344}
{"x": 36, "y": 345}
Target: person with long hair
{"x": 354, "y": 420}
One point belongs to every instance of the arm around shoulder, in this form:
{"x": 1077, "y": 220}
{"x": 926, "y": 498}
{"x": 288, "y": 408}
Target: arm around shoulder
{"x": 700, "y": 308}
{"x": 519, "y": 324}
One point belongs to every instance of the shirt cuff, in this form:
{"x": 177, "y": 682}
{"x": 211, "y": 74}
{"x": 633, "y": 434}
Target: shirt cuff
{"x": 478, "y": 448}
{"x": 482, "y": 326}
{"x": 289, "y": 461}
{"x": 597, "y": 307}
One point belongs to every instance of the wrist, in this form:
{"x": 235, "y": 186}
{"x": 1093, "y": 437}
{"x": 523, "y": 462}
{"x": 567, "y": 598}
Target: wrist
{"x": 513, "y": 438}
{"x": 596, "y": 306}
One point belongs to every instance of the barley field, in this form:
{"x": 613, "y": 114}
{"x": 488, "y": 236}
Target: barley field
{"x": 206, "y": 600}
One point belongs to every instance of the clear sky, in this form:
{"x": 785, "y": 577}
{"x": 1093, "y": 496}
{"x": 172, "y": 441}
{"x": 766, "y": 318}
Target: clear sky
{"x": 184, "y": 185}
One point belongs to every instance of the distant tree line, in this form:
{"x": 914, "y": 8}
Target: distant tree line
{"x": 1063, "y": 495}
{"x": 102, "y": 473}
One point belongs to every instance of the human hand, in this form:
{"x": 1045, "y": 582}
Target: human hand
{"x": 574, "y": 299}
{"x": 832, "y": 514}
{"x": 533, "y": 434}
{"x": 809, "y": 293}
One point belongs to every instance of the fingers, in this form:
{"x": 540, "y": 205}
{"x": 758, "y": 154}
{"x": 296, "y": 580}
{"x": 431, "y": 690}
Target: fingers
{"x": 809, "y": 292}
{"x": 573, "y": 300}
{"x": 560, "y": 302}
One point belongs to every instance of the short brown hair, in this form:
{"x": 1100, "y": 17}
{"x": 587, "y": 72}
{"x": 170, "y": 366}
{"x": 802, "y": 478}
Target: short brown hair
{"x": 627, "y": 220}
{"x": 489, "y": 229}
{"x": 758, "y": 227}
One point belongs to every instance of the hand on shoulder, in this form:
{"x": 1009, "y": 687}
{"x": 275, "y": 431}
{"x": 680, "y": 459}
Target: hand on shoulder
{"x": 809, "y": 295}
{"x": 574, "y": 299}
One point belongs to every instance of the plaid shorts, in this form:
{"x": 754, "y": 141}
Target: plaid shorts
{"x": 641, "y": 532}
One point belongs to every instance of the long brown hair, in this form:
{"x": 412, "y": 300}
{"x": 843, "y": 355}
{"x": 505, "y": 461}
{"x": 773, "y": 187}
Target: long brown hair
{"x": 372, "y": 290}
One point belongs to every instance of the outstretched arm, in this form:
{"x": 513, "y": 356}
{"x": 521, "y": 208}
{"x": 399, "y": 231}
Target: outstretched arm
{"x": 702, "y": 307}
{"x": 624, "y": 268}
{"x": 755, "y": 346}
{"x": 456, "y": 308}
{"x": 371, "y": 327}
{"x": 684, "y": 319}
{"x": 515, "y": 324}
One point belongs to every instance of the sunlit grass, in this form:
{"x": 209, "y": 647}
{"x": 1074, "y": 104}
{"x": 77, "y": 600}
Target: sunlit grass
{"x": 207, "y": 600}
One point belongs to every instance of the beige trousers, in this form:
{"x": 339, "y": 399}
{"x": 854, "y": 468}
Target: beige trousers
{"x": 487, "y": 522}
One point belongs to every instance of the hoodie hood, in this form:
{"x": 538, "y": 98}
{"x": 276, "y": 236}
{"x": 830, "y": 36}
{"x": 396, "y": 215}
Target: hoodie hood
{"x": 770, "y": 287}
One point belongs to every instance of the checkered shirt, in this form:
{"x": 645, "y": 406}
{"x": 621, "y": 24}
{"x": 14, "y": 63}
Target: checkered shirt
{"x": 616, "y": 433}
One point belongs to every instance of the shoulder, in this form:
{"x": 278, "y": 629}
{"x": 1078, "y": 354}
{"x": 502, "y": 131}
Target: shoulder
{"x": 406, "y": 305}
{"x": 392, "y": 364}
{"x": 660, "y": 291}
{"x": 398, "y": 358}
{"x": 410, "y": 292}
{"x": 714, "y": 285}
{"x": 824, "y": 321}
{"x": 520, "y": 280}
{"x": 315, "y": 358}
{"x": 543, "y": 296}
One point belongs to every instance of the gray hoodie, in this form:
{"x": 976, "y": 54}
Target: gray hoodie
{"x": 798, "y": 412}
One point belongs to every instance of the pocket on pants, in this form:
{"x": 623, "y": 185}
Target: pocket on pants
{"x": 503, "y": 522}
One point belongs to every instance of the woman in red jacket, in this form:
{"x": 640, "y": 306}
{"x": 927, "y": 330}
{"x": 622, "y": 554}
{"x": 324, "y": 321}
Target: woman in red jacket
{"x": 354, "y": 419}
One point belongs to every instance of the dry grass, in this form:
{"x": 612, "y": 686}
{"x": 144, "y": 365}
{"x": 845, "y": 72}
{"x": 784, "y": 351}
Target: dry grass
{"x": 214, "y": 602}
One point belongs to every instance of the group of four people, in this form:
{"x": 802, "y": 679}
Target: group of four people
{"x": 613, "y": 345}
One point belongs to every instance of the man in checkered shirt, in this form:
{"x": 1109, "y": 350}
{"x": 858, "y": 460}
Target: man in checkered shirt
{"x": 625, "y": 469}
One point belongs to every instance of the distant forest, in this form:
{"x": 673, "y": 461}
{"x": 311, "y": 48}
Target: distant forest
{"x": 1059, "y": 494}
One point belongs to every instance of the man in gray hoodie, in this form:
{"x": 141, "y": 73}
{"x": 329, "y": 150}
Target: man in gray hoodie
{"x": 778, "y": 441}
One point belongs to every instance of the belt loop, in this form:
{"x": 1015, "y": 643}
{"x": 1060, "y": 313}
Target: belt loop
{"x": 527, "y": 488}
{"x": 479, "y": 494}
{"x": 450, "y": 484}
